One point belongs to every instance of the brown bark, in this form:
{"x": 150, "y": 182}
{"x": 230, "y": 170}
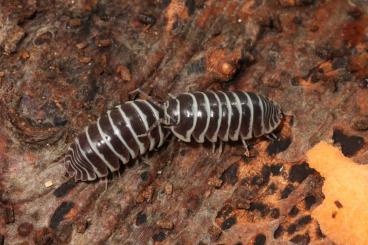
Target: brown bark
{"x": 63, "y": 63}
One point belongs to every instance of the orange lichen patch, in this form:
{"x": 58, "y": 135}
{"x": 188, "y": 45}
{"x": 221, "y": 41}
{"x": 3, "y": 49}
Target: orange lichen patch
{"x": 123, "y": 72}
{"x": 176, "y": 10}
{"x": 287, "y": 2}
{"x": 359, "y": 62}
{"x": 223, "y": 62}
{"x": 343, "y": 215}
{"x": 308, "y": 85}
{"x": 246, "y": 9}
{"x": 72, "y": 214}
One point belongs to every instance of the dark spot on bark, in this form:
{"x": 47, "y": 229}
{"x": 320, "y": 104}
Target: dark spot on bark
{"x": 146, "y": 19}
{"x": 224, "y": 212}
{"x": 298, "y": 20}
{"x": 159, "y": 237}
{"x": 276, "y": 169}
{"x": 275, "y": 213}
{"x": 339, "y": 62}
{"x": 355, "y": 13}
{"x": 310, "y": 201}
{"x": 190, "y": 4}
{"x": 325, "y": 52}
{"x": 261, "y": 207}
{"x": 7, "y": 213}
{"x": 294, "y": 81}
{"x": 197, "y": 66}
{"x": 64, "y": 188}
{"x": 59, "y": 121}
{"x": 294, "y": 211}
{"x": 262, "y": 179}
{"x": 307, "y": 2}
{"x": 266, "y": 172}
{"x": 316, "y": 75}
{"x": 349, "y": 144}
{"x": 360, "y": 124}
{"x": 43, "y": 38}
{"x": 141, "y": 218}
{"x": 144, "y": 175}
{"x": 319, "y": 233}
{"x": 25, "y": 229}
{"x": 260, "y": 239}
{"x": 299, "y": 172}
{"x": 291, "y": 229}
{"x": 230, "y": 174}
{"x": 59, "y": 214}
{"x": 228, "y": 223}
{"x": 301, "y": 239}
{"x": 338, "y": 204}
{"x": 286, "y": 192}
{"x": 363, "y": 84}
{"x": 178, "y": 27}
{"x": 256, "y": 180}
{"x": 278, "y": 232}
{"x": 272, "y": 188}
{"x": 304, "y": 220}
{"x": 278, "y": 146}
{"x": 165, "y": 3}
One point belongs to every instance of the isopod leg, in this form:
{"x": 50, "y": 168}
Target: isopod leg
{"x": 246, "y": 153}
{"x": 221, "y": 147}
{"x": 106, "y": 181}
{"x": 139, "y": 91}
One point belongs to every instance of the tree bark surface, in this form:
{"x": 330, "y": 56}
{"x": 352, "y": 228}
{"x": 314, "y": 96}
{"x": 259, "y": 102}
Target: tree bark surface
{"x": 63, "y": 63}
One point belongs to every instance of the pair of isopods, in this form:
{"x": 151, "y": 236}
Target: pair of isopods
{"x": 135, "y": 127}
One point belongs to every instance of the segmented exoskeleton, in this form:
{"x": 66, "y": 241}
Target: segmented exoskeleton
{"x": 123, "y": 133}
{"x": 135, "y": 127}
{"x": 221, "y": 116}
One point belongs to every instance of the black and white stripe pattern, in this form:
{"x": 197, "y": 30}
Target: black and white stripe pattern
{"x": 221, "y": 116}
{"x": 135, "y": 127}
{"x": 121, "y": 134}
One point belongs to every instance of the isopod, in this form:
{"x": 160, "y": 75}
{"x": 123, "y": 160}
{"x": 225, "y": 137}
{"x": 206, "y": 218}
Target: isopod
{"x": 221, "y": 116}
{"x": 121, "y": 134}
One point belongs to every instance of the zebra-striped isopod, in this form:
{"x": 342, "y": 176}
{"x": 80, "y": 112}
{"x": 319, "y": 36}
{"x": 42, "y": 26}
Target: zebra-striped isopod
{"x": 221, "y": 116}
{"x": 121, "y": 134}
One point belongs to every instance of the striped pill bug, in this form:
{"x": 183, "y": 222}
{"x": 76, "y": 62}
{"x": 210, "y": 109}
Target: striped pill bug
{"x": 121, "y": 134}
{"x": 221, "y": 116}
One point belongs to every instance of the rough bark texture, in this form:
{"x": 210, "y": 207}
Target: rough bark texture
{"x": 62, "y": 63}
